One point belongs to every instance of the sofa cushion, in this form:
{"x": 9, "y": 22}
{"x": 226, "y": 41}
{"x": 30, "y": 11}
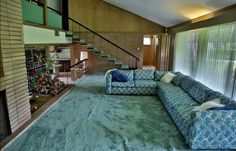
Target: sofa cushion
{"x": 178, "y": 78}
{"x": 179, "y": 104}
{"x": 158, "y": 75}
{"x": 181, "y": 112}
{"x": 186, "y": 83}
{"x": 143, "y": 74}
{"x": 168, "y": 87}
{"x": 129, "y": 73}
{"x": 145, "y": 83}
{"x": 134, "y": 90}
{"x": 128, "y": 84}
{"x": 199, "y": 92}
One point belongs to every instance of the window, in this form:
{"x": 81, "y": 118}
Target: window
{"x": 209, "y": 55}
{"x": 147, "y": 40}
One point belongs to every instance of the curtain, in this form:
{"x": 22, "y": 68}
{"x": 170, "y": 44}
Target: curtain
{"x": 164, "y": 53}
{"x": 185, "y": 52}
{"x": 209, "y": 56}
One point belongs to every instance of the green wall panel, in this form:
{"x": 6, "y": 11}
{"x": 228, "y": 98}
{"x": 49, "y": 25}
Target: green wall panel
{"x": 54, "y": 20}
{"x": 31, "y": 12}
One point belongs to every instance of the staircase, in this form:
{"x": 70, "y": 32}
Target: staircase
{"x": 96, "y": 51}
{"x": 99, "y": 45}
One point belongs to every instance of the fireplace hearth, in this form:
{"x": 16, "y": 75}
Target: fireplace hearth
{"x": 5, "y": 129}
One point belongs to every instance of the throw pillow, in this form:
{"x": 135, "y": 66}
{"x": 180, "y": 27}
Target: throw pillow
{"x": 109, "y": 71}
{"x": 167, "y": 77}
{"x": 208, "y": 105}
{"x": 158, "y": 75}
{"x": 118, "y": 76}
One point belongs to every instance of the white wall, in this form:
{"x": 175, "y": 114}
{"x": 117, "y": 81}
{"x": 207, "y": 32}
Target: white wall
{"x": 37, "y": 35}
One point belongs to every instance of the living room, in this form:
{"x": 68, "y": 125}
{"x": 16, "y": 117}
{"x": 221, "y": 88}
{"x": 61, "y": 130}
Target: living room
{"x": 118, "y": 75}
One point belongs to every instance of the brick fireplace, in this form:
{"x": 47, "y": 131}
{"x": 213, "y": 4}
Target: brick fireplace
{"x": 13, "y": 77}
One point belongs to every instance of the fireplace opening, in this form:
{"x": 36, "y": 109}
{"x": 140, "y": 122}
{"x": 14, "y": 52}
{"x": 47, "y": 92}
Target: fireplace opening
{"x": 5, "y": 129}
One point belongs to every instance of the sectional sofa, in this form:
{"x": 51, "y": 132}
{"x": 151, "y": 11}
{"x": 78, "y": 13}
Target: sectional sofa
{"x": 210, "y": 129}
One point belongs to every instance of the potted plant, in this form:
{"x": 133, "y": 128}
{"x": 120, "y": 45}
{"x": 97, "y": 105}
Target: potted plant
{"x": 49, "y": 65}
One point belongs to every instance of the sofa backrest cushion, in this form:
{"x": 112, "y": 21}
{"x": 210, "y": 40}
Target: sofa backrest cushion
{"x": 213, "y": 95}
{"x": 178, "y": 78}
{"x": 158, "y": 75}
{"x": 199, "y": 92}
{"x": 140, "y": 74}
{"x": 128, "y": 73}
{"x": 186, "y": 83}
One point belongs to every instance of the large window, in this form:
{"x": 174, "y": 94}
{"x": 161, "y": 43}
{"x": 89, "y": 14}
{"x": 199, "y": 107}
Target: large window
{"x": 209, "y": 55}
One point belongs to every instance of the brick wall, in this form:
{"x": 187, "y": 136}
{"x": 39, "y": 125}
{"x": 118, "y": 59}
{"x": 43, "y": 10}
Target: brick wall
{"x": 13, "y": 77}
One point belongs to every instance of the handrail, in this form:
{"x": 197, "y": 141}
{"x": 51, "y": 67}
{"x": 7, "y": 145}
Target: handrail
{"x": 104, "y": 38}
{"x": 40, "y": 4}
{"x": 78, "y": 63}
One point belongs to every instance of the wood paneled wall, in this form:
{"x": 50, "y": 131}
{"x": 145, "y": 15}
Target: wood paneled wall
{"x": 98, "y": 64}
{"x": 120, "y": 26}
{"x": 132, "y": 42}
{"x": 103, "y": 17}
{"x": 14, "y": 77}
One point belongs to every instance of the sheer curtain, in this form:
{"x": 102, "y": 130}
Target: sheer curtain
{"x": 185, "y": 52}
{"x": 209, "y": 55}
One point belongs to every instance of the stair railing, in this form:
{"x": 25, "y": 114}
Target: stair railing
{"x": 78, "y": 63}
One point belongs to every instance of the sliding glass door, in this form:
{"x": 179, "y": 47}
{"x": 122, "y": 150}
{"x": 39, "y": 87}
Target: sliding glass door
{"x": 209, "y": 55}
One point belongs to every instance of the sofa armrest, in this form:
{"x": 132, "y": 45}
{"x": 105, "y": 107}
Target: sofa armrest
{"x": 213, "y": 129}
{"x": 108, "y": 83}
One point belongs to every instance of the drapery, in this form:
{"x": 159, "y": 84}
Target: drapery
{"x": 209, "y": 56}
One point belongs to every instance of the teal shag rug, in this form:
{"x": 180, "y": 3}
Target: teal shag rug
{"x": 87, "y": 119}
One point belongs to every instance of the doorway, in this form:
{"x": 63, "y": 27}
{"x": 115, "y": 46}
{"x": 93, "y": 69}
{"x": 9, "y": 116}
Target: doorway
{"x": 150, "y": 43}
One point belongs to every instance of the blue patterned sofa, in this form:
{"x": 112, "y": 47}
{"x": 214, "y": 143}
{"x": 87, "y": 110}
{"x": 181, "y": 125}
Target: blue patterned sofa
{"x": 210, "y": 129}
{"x": 141, "y": 82}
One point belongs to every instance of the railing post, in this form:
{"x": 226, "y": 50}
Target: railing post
{"x": 86, "y": 36}
{"x": 79, "y": 33}
{"x": 45, "y": 12}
